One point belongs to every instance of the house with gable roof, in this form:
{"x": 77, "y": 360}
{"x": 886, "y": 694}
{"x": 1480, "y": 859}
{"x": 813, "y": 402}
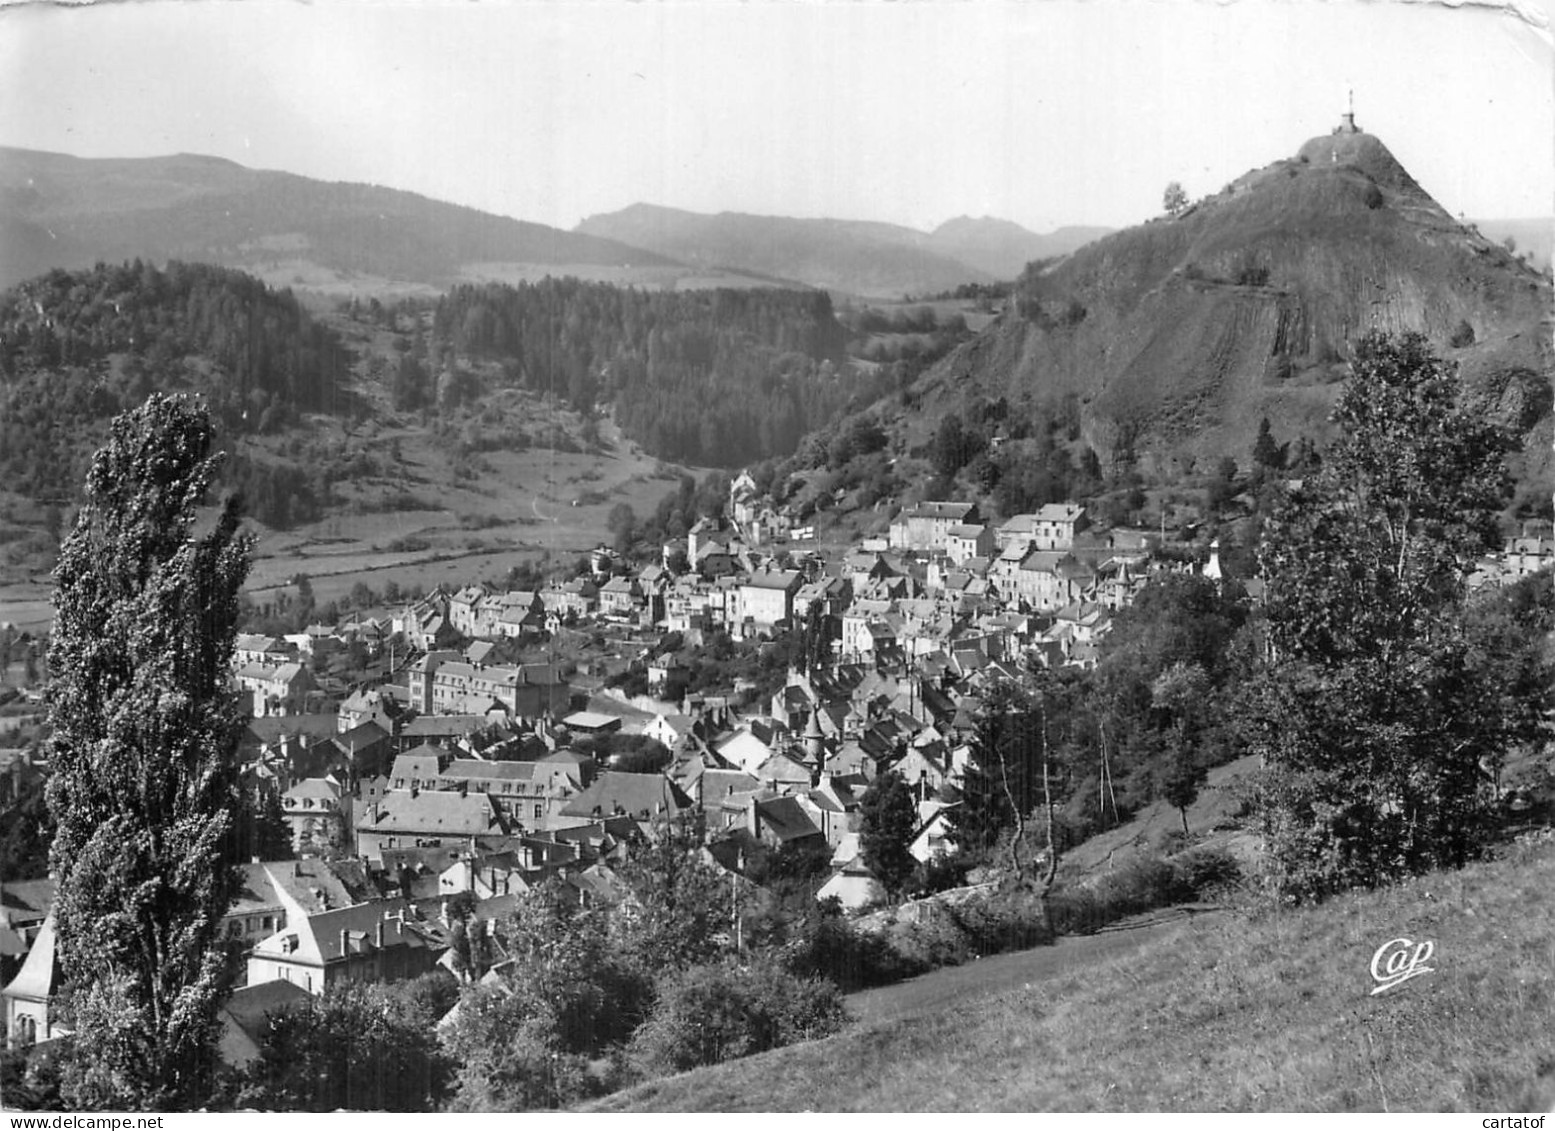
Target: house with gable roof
{"x": 644, "y": 798}
{"x": 244, "y": 1018}
{"x": 29, "y": 997}
{"x": 370, "y": 942}
{"x": 926, "y": 526}
{"x": 318, "y": 812}
{"x": 276, "y": 689}
{"x": 427, "y": 818}
{"x": 780, "y": 822}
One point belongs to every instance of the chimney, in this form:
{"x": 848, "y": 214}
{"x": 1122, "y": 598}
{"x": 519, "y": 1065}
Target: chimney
{"x": 345, "y": 940}
{"x": 378, "y": 935}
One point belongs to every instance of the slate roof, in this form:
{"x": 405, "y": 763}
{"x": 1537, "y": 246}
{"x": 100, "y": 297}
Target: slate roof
{"x": 319, "y": 936}
{"x": 25, "y": 902}
{"x": 443, "y": 812}
{"x": 250, "y": 1007}
{"x": 785, "y": 818}
{"x": 443, "y": 726}
{"x": 638, "y": 795}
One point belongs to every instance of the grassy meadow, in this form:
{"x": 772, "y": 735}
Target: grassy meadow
{"x": 1246, "y": 1011}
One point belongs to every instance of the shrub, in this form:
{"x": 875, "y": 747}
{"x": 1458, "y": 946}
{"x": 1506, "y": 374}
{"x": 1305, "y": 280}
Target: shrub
{"x": 1373, "y": 197}
{"x": 827, "y": 946}
{"x": 1008, "y": 920}
{"x": 356, "y": 1047}
{"x": 931, "y": 939}
{"x": 709, "y": 1014}
{"x": 1462, "y": 335}
{"x": 1207, "y": 871}
{"x": 938, "y": 873}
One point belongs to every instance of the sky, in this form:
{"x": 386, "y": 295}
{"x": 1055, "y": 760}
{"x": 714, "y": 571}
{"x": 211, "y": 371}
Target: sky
{"x": 1045, "y": 112}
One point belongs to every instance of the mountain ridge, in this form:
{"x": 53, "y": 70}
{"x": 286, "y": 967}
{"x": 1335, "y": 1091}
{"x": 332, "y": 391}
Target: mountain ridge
{"x": 57, "y": 210}
{"x": 868, "y": 258}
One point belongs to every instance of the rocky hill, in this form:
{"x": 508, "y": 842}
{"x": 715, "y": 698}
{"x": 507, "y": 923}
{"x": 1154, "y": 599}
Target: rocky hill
{"x": 1177, "y": 336}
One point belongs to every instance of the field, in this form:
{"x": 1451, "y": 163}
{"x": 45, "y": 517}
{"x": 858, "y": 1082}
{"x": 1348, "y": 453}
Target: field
{"x": 1267, "y": 1010}
{"x": 523, "y": 505}
{"x": 452, "y": 521}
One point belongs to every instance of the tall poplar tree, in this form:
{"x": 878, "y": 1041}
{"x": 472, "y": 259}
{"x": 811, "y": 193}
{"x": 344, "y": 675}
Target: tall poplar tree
{"x": 144, "y": 788}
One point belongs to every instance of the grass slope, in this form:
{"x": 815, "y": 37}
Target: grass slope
{"x": 1232, "y": 1012}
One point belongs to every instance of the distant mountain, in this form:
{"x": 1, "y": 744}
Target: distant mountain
{"x": 1174, "y": 338}
{"x": 62, "y": 211}
{"x": 1535, "y": 236}
{"x": 855, "y": 257}
{"x": 1003, "y": 248}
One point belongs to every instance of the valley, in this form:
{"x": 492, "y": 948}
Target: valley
{"x": 691, "y": 635}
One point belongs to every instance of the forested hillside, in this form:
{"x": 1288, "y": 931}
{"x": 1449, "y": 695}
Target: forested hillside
{"x": 78, "y": 347}
{"x": 707, "y": 377}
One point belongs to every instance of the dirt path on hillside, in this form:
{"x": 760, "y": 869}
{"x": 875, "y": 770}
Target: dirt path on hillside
{"x": 956, "y": 987}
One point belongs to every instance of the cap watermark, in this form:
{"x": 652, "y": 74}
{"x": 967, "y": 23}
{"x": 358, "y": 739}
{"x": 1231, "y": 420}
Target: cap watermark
{"x": 1399, "y": 960}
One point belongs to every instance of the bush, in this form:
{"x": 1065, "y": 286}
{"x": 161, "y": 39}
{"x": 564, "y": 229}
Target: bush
{"x": 939, "y": 873}
{"x": 1373, "y": 197}
{"x": 1462, "y": 335}
{"x": 932, "y": 939}
{"x": 1144, "y": 884}
{"x": 1008, "y": 920}
{"x": 1207, "y": 871}
{"x": 827, "y": 946}
{"x": 709, "y": 1014}
{"x": 357, "y": 1047}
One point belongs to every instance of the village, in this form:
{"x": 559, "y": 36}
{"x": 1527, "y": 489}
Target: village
{"x": 446, "y": 791}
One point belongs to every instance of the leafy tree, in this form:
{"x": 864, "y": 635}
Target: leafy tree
{"x": 622, "y": 524}
{"x": 708, "y": 1014}
{"x": 1266, "y": 453}
{"x": 272, "y": 835}
{"x": 359, "y": 1047}
{"x": 1174, "y": 200}
{"x": 25, "y": 833}
{"x": 681, "y": 905}
{"x": 509, "y": 1045}
{"x": 954, "y": 446}
{"x": 888, "y": 817}
{"x": 144, "y": 785}
{"x": 1009, "y": 775}
{"x": 1379, "y": 716}
{"x": 1182, "y": 692}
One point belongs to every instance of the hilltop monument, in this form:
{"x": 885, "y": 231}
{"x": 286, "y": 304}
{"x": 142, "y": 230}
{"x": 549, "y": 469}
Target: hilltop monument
{"x": 1347, "y": 119}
